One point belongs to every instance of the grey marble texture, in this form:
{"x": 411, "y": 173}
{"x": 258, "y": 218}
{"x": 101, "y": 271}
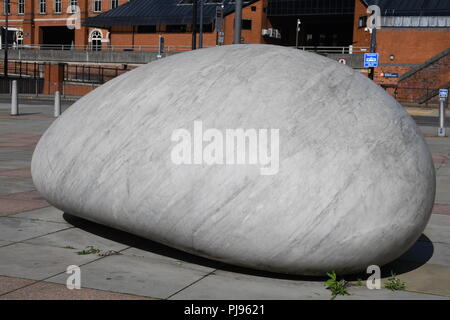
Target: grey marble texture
{"x": 355, "y": 185}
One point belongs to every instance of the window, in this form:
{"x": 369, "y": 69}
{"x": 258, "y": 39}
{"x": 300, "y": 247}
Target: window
{"x": 6, "y": 7}
{"x": 58, "y": 6}
{"x": 97, "y": 5}
{"x": 73, "y": 6}
{"x": 253, "y": 8}
{"x": 96, "y": 40}
{"x": 362, "y": 22}
{"x": 21, "y": 7}
{"x": 146, "y": 29}
{"x": 176, "y": 28}
{"x": 246, "y": 24}
{"x": 114, "y": 3}
{"x": 42, "y": 6}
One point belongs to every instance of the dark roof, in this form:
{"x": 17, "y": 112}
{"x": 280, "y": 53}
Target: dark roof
{"x": 282, "y": 8}
{"x": 412, "y": 7}
{"x": 153, "y": 12}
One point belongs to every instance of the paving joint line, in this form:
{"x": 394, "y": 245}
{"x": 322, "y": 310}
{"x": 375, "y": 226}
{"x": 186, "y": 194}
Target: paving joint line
{"x": 62, "y": 272}
{"x": 42, "y": 235}
{"x": 191, "y": 284}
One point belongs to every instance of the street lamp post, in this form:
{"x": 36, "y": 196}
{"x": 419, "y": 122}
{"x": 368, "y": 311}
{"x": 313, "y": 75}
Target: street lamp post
{"x": 373, "y": 48}
{"x": 237, "y": 22}
{"x": 194, "y": 24}
{"x": 297, "y": 32}
{"x": 200, "y": 35}
{"x": 5, "y": 62}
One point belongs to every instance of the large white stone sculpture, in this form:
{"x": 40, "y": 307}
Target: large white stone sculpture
{"x": 353, "y": 186}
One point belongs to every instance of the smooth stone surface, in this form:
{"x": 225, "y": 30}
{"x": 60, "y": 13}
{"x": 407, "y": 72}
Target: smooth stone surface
{"x": 355, "y": 185}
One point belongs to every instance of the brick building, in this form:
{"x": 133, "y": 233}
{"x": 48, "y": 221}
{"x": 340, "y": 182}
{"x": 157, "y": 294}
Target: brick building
{"x": 413, "y": 40}
{"x": 44, "y": 22}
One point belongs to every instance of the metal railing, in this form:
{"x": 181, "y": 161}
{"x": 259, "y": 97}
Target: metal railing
{"x": 332, "y": 49}
{"x": 92, "y": 74}
{"x": 136, "y": 48}
{"x": 173, "y": 48}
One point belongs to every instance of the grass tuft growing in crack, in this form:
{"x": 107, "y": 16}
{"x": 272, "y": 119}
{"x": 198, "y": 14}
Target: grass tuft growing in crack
{"x": 336, "y": 287}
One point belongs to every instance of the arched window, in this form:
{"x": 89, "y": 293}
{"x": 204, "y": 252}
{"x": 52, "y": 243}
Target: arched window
{"x": 96, "y": 40}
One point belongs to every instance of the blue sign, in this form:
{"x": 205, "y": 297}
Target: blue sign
{"x": 391, "y": 75}
{"x": 443, "y": 93}
{"x": 371, "y": 60}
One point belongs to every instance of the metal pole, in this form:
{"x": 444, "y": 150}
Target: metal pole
{"x": 5, "y": 62}
{"x": 194, "y": 24}
{"x": 200, "y": 36}
{"x": 57, "y": 111}
{"x": 296, "y": 34}
{"x": 373, "y": 48}
{"x": 441, "y": 130}
{"x": 237, "y": 22}
{"x": 14, "y": 100}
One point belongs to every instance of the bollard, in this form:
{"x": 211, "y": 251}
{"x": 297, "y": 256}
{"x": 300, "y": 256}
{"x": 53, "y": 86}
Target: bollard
{"x": 441, "y": 130}
{"x": 14, "y": 101}
{"x": 57, "y": 111}
{"x": 443, "y": 95}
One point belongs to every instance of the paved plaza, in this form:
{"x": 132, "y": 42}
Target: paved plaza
{"x": 38, "y": 242}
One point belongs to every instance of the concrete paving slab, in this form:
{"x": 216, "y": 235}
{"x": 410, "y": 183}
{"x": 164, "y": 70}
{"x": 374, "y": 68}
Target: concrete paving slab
{"x": 31, "y": 126}
{"x": 444, "y": 169}
{"x": 13, "y": 164}
{"x": 441, "y": 209}
{"x": 16, "y": 154}
{"x": 363, "y": 293}
{"x": 437, "y": 145}
{"x": 145, "y": 276}
{"x": 13, "y": 185}
{"x": 16, "y": 173}
{"x": 78, "y": 239}
{"x": 51, "y": 214}
{"x": 229, "y": 285}
{"x": 38, "y": 262}
{"x": 438, "y": 234}
{"x": 8, "y": 284}
{"x": 439, "y": 220}
{"x": 20, "y": 202}
{"x": 5, "y": 243}
{"x": 428, "y": 278}
{"x": 53, "y": 291}
{"x": 442, "y": 189}
{"x": 225, "y": 285}
{"x": 17, "y": 229}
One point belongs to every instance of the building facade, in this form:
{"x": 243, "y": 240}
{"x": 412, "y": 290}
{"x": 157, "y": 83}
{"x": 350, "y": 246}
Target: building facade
{"x": 45, "y": 22}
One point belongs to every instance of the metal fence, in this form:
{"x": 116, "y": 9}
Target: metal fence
{"x": 137, "y": 48}
{"x": 93, "y": 74}
{"x": 176, "y": 48}
{"x": 24, "y": 85}
{"x": 30, "y": 77}
{"x": 416, "y": 95}
{"x": 329, "y": 49}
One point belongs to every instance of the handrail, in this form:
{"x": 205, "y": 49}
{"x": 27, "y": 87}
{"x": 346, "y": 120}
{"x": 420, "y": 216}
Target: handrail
{"x": 334, "y": 49}
{"x": 93, "y": 48}
{"x": 173, "y": 48}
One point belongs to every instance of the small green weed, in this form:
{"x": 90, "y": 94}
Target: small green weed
{"x": 393, "y": 283}
{"x": 88, "y": 250}
{"x": 336, "y": 287}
